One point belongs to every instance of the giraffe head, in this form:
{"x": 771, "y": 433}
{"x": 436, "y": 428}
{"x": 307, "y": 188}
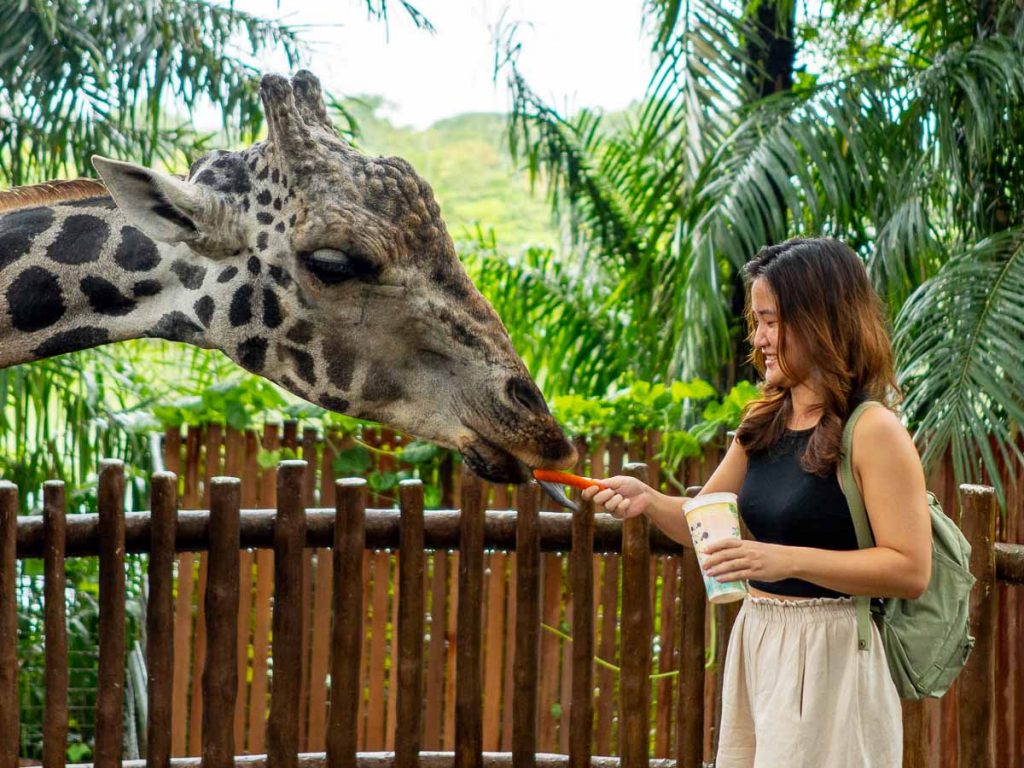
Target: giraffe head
{"x": 336, "y": 278}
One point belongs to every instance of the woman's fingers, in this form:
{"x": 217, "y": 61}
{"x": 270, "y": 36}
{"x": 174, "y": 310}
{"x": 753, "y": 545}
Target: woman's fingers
{"x": 615, "y": 497}
{"x": 722, "y": 545}
{"x": 721, "y": 555}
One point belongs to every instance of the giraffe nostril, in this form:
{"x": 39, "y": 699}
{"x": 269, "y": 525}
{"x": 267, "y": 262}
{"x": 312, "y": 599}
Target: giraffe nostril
{"x": 526, "y": 394}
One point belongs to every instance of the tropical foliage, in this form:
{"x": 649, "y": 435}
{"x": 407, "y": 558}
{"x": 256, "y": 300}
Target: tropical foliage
{"x": 895, "y": 126}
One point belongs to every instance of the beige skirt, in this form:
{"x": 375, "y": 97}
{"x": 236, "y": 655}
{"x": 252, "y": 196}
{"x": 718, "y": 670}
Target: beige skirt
{"x": 798, "y": 694}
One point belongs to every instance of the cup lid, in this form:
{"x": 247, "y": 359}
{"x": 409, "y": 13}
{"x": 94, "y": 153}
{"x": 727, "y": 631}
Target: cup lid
{"x": 720, "y": 497}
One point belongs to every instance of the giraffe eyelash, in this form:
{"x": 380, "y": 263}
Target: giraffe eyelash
{"x": 333, "y": 266}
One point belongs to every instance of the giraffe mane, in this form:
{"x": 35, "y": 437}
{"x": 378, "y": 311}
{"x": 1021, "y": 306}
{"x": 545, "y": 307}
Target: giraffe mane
{"x": 50, "y": 192}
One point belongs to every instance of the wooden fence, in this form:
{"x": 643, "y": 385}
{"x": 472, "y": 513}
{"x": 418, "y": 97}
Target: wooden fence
{"x": 493, "y": 616}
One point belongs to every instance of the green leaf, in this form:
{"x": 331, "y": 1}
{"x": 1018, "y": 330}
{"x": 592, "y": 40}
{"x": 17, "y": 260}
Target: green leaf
{"x": 352, "y": 462}
{"x": 419, "y": 452}
{"x": 383, "y": 481}
{"x": 431, "y": 496}
{"x": 697, "y": 389}
{"x": 268, "y": 459}
{"x": 79, "y": 753}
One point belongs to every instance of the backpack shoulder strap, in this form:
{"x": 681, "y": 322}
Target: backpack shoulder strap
{"x": 859, "y": 515}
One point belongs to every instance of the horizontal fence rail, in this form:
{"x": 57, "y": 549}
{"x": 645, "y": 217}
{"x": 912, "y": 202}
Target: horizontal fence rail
{"x": 422, "y": 597}
{"x": 383, "y": 531}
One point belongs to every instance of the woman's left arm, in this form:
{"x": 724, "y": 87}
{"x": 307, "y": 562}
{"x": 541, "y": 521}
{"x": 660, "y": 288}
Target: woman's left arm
{"x": 891, "y": 479}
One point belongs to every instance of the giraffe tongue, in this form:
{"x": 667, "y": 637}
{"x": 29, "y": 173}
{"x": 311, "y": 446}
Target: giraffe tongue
{"x": 554, "y": 490}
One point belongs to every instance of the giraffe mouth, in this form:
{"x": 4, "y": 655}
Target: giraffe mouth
{"x": 494, "y": 464}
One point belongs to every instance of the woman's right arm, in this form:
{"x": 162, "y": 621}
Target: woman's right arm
{"x": 627, "y": 497}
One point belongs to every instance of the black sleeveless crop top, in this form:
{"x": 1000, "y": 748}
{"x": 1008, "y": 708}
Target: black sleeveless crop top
{"x": 783, "y": 504}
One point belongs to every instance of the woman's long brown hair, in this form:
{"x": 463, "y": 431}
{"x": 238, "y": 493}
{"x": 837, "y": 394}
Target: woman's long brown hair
{"x": 827, "y": 305}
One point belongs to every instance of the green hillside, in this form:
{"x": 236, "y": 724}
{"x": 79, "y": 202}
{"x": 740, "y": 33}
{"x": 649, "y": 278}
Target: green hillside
{"x": 465, "y": 159}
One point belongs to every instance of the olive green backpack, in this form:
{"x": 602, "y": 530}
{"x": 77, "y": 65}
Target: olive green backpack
{"x": 926, "y": 640}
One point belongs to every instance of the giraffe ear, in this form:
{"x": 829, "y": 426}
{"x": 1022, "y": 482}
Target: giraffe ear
{"x": 163, "y": 206}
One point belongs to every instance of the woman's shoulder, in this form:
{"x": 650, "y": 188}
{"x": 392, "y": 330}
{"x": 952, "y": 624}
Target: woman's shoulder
{"x": 879, "y": 421}
{"x": 878, "y": 432}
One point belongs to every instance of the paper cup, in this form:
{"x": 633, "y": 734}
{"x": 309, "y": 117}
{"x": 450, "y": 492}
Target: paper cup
{"x": 711, "y": 517}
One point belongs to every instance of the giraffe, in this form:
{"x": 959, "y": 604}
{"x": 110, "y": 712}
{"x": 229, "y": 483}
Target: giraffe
{"x": 327, "y": 271}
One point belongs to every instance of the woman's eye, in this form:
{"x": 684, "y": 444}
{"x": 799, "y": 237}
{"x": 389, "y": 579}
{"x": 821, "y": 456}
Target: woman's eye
{"x": 332, "y": 266}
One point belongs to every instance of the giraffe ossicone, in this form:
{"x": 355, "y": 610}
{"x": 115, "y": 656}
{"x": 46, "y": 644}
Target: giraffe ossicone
{"x": 307, "y": 262}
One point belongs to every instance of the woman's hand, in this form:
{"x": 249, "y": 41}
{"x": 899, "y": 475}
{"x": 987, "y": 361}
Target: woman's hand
{"x": 736, "y": 560}
{"x": 623, "y": 496}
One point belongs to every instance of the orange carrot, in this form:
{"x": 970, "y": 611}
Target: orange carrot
{"x": 566, "y": 478}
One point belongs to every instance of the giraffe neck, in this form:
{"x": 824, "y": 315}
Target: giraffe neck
{"x": 75, "y": 275}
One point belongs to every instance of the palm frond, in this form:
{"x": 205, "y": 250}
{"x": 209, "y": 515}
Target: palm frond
{"x": 566, "y": 324}
{"x": 104, "y": 77}
{"x": 958, "y": 340}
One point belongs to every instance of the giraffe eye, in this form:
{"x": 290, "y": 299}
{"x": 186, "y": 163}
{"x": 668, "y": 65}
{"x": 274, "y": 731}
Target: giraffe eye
{"x": 332, "y": 266}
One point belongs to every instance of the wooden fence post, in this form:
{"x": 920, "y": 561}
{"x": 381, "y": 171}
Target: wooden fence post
{"x": 289, "y": 541}
{"x": 581, "y": 572}
{"x": 635, "y": 696}
{"x": 468, "y": 673}
{"x": 527, "y": 647}
{"x": 977, "y": 682}
{"x": 55, "y": 715}
{"x": 690, "y": 704}
{"x": 9, "y": 723}
{"x": 160, "y": 619}
{"x": 110, "y": 678}
{"x": 264, "y": 596}
{"x": 347, "y": 632}
{"x": 220, "y": 671}
{"x": 411, "y": 566}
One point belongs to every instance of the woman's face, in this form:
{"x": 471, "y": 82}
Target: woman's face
{"x": 768, "y": 339}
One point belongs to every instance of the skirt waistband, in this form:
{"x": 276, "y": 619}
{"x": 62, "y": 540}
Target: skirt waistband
{"x": 818, "y": 608}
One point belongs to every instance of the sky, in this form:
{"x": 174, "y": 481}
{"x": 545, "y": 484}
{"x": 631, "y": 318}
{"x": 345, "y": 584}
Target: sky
{"x": 572, "y": 55}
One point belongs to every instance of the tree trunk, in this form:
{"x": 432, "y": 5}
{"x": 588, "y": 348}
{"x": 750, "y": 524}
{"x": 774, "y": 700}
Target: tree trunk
{"x": 771, "y": 48}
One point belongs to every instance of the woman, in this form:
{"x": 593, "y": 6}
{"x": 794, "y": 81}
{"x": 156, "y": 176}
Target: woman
{"x": 797, "y": 690}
